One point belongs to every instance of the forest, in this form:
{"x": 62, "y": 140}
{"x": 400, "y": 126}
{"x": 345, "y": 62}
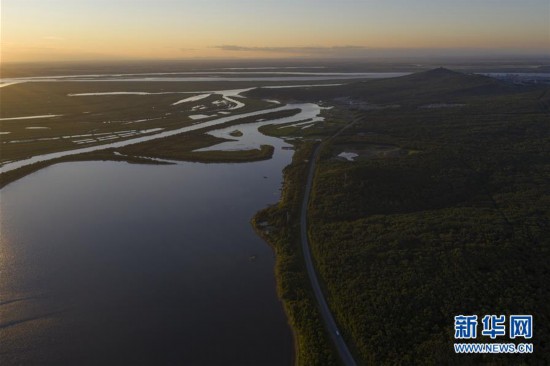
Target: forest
{"x": 455, "y": 220}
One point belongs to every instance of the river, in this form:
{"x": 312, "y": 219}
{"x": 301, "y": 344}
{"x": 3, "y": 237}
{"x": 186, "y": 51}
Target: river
{"x": 115, "y": 263}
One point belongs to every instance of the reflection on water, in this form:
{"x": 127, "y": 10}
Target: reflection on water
{"x": 112, "y": 263}
{"x": 253, "y": 139}
{"x": 218, "y": 121}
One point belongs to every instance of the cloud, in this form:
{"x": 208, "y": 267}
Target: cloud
{"x": 312, "y": 50}
{"x": 362, "y": 51}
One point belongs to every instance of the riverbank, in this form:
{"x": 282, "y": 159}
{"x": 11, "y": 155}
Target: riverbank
{"x": 179, "y": 147}
{"x": 279, "y": 225}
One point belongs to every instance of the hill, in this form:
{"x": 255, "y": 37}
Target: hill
{"x": 433, "y": 86}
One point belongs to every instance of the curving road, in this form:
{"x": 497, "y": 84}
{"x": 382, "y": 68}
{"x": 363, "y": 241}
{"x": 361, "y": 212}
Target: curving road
{"x": 332, "y": 328}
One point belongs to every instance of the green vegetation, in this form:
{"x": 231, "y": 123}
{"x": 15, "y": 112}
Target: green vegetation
{"x": 101, "y": 155}
{"x": 438, "y": 86}
{"x": 236, "y": 133}
{"x": 182, "y": 146}
{"x": 177, "y": 147}
{"x": 334, "y": 120}
{"x": 460, "y": 224}
{"x": 279, "y": 226}
{"x": 84, "y": 121}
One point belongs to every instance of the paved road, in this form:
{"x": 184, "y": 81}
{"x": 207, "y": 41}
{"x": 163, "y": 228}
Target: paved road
{"x": 337, "y": 339}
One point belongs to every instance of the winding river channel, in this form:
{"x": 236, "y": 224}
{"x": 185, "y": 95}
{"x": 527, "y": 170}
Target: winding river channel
{"x": 307, "y": 112}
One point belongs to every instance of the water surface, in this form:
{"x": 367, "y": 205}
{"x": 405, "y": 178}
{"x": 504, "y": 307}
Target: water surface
{"x": 114, "y": 263}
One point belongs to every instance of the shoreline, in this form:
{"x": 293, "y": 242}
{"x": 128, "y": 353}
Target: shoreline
{"x": 107, "y": 153}
{"x": 275, "y": 225}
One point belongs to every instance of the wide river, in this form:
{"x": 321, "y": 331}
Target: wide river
{"x": 113, "y": 263}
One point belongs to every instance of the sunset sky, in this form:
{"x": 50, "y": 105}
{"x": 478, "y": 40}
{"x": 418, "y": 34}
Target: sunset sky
{"x": 36, "y": 30}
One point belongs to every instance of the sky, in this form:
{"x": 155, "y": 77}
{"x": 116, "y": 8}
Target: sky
{"x": 53, "y": 30}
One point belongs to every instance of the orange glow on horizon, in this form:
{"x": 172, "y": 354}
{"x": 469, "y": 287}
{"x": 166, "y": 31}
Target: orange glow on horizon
{"x": 34, "y": 30}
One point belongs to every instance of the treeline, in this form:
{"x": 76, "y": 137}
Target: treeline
{"x": 279, "y": 225}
